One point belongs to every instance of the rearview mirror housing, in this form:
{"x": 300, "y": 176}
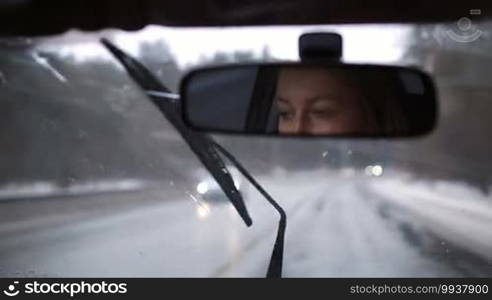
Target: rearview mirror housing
{"x": 310, "y": 99}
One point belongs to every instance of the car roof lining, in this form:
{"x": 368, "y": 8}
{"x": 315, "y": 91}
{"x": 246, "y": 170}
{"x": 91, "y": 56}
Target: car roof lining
{"x": 58, "y": 16}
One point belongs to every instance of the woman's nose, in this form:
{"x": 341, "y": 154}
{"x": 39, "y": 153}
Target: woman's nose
{"x": 300, "y": 125}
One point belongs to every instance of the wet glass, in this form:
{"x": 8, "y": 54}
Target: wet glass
{"x": 95, "y": 182}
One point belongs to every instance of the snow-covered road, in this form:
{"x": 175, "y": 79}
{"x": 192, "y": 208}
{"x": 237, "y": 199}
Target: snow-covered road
{"x": 338, "y": 226}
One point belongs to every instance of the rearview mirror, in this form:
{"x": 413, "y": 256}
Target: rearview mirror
{"x": 310, "y": 100}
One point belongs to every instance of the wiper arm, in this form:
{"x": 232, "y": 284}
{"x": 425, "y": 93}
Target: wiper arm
{"x": 166, "y": 95}
{"x": 202, "y": 145}
{"x": 205, "y": 148}
{"x": 276, "y": 260}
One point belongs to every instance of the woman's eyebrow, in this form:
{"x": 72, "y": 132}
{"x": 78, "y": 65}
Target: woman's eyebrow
{"x": 282, "y": 100}
{"x": 322, "y": 99}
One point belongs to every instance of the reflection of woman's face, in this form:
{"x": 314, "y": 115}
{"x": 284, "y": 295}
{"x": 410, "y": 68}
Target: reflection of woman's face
{"x": 315, "y": 101}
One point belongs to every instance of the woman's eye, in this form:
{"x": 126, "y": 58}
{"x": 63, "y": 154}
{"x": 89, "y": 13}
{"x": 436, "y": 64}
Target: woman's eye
{"x": 322, "y": 113}
{"x": 285, "y": 115}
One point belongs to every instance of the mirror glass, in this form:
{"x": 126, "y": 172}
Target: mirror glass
{"x": 310, "y": 100}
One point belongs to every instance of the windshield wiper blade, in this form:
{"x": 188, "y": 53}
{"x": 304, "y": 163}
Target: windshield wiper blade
{"x": 276, "y": 260}
{"x": 201, "y": 144}
{"x": 206, "y": 150}
{"x": 165, "y": 95}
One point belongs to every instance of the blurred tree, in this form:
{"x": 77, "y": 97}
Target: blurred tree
{"x": 461, "y": 145}
{"x": 68, "y": 121}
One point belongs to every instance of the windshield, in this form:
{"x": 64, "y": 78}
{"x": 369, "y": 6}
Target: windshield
{"x": 95, "y": 181}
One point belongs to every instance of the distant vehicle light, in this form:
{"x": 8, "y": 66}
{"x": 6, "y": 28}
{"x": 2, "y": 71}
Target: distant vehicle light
{"x": 202, "y": 188}
{"x": 203, "y": 210}
{"x": 375, "y": 170}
